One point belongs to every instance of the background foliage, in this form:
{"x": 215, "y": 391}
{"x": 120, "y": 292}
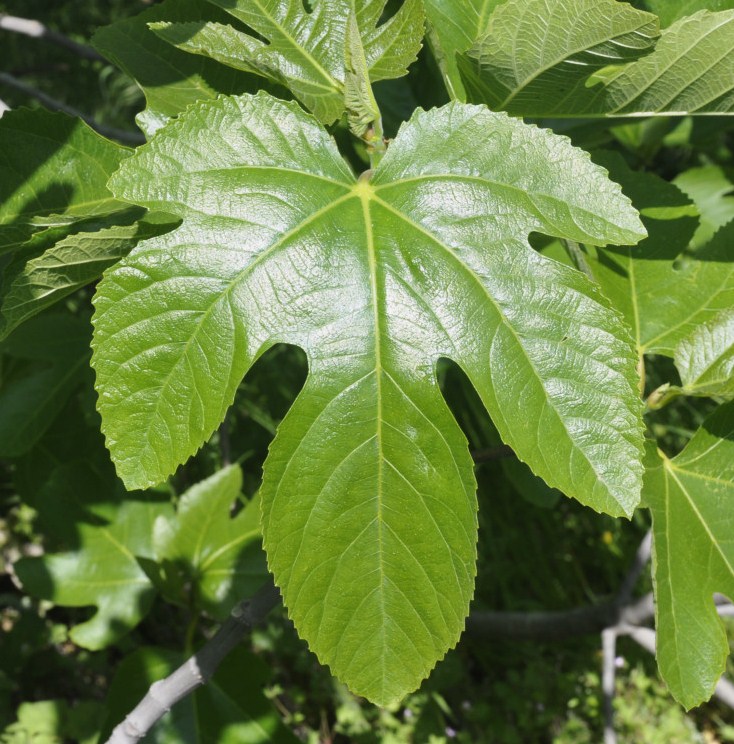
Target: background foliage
{"x": 67, "y": 672}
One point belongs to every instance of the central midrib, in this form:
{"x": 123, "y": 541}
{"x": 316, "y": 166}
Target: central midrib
{"x": 372, "y": 261}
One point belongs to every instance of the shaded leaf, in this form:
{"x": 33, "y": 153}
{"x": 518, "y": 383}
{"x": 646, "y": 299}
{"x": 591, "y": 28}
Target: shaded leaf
{"x": 712, "y": 192}
{"x": 664, "y": 289}
{"x": 220, "y": 557}
{"x": 691, "y": 69}
{"x": 53, "y": 171}
{"x": 304, "y": 50}
{"x": 671, "y": 10}
{"x": 103, "y": 572}
{"x": 53, "y": 355}
{"x": 369, "y": 475}
{"x": 454, "y": 25}
{"x": 536, "y": 55}
{"x": 691, "y": 499}
{"x": 48, "y": 269}
{"x": 170, "y": 79}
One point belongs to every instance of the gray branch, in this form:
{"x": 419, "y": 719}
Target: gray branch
{"x": 645, "y": 637}
{"x": 131, "y": 138}
{"x": 608, "y": 675}
{"x": 37, "y": 30}
{"x": 197, "y": 670}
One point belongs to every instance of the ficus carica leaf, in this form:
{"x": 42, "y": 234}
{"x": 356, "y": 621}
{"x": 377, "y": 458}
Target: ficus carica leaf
{"x": 369, "y": 510}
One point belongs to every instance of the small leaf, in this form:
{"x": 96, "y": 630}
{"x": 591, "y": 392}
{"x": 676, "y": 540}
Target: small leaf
{"x": 692, "y": 498}
{"x": 369, "y": 475}
{"x": 690, "y": 70}
{"x": 705, "y": 359}
{"x": 54, "y": 170}
{"x": 664, "y": 289}
{"x": 304, "y": 49}
{"x": 536, "y": 54}
{"x": 50, "y": 267}
{"x": 359, "y": 100}
{"x": 103, "y": 572}
{"x": 220, "y": 556}
{"x": 713, "y": 194}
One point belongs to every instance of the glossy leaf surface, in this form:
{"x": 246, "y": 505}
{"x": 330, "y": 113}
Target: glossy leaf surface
{"x": 692, "y": 498}
{"x": 218, "y": 556}
{"x": 690, "y": 70}
{"x": 375, "y": 279}
{"x": 304, "y": 49}
{"x": 540, "y": 53}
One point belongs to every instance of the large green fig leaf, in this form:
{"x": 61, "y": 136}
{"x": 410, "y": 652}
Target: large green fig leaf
{"x": 305, "y": 49}
{"x": 692, "y": 498}
{"x": 218, "y": 557}
{"x": 557, "y": 63}
{"x": 369, "y": 512}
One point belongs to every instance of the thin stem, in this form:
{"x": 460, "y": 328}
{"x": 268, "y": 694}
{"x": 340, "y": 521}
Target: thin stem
{"x": 121, "y": 135}
{"x": 578, "y": 257}
{"x": 376, "y": 145}
{"x": 37, "y": 30}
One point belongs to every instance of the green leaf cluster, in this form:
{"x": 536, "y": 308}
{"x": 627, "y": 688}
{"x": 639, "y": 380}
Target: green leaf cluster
{"x": 549, "y": 274}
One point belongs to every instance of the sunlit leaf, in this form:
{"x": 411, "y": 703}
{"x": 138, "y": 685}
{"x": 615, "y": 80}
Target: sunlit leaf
{"x": 369, "y": 475}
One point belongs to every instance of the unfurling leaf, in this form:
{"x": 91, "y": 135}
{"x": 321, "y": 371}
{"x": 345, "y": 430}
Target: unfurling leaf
{"x": 304, "y": 50}
{"x": 369, "y": 511}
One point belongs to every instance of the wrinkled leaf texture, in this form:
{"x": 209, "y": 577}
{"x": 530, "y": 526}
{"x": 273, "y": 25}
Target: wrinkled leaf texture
{"x": 369, "y": 509}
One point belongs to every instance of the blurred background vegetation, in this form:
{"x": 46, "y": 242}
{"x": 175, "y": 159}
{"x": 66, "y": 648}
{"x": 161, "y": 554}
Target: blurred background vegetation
{"x": 558, "y": 556}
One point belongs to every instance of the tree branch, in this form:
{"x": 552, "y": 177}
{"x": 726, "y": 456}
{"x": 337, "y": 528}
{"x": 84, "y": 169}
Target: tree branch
{"x": 37, "y": 30}
{"x": 131, "y": 138}
{"x": 609, "y": 670}
{"x": 197, "y": 670}
{"x": 645, "y": 637}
